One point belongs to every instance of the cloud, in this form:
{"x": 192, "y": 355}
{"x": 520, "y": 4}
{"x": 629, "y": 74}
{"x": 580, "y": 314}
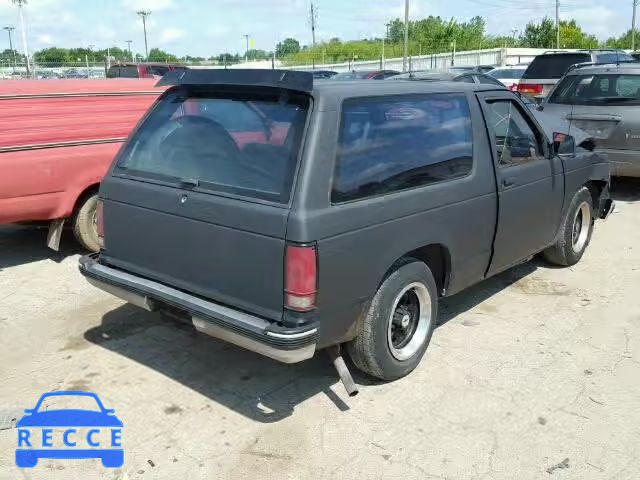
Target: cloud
{"x": 153, "y": 5}
{"x": 171, "y": 35}
{"x": 45, "y": 39}
{"x": 597, "y": 19}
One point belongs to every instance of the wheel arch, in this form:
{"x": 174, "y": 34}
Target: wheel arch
{"x": 436, "y": 256}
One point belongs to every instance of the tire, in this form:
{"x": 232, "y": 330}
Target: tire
{"x": 575, "y": 232}
{"x": 84, "y": 224}
{"x": 387, "y": 349}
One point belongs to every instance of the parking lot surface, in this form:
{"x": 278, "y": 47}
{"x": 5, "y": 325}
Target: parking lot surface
{"x": 532, "y": 374}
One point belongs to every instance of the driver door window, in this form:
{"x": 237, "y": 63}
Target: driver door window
{"x": 515, "y": 140}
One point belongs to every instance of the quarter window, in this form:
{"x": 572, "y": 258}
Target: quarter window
{"x": 388, "y": 144}
{"x": 515, "y": 140}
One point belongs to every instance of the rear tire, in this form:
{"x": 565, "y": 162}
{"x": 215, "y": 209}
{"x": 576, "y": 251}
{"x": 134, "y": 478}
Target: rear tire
{"x": 85, "y": 227}
{"x": 399, "y": 325}
{"x": 575, "y": 232}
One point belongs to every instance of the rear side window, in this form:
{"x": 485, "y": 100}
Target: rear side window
{"x": 553, "y": 66}
{"x": 613, "y": 57}
{"x": 388, "y": 144}
{"x": 507, "y": 73}
{"x": 119, "y": 71}
{"x": 239, "y": 143}
{"x": 158, "y": 70}
{"x": 598, "y": 90}
{"x": 487, "y": 80}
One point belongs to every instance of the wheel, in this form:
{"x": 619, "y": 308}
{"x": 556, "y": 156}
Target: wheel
{"x": 26, "y": 459}
{"x": 112, "y": 458}
{"x": 398, "y": 327}
{"x": 575, "y": 231}
{"x": 85, "y": 226}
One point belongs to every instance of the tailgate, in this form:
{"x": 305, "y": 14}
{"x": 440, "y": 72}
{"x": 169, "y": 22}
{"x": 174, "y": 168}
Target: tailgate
{"x": 227, "y": 250}
{"x": 199, "y": 197}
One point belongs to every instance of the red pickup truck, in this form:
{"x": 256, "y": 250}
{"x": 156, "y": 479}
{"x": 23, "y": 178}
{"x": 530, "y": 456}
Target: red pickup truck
{"x": 57, "y": 140}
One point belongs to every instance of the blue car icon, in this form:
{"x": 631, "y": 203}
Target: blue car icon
{"x": 105, "y": 418}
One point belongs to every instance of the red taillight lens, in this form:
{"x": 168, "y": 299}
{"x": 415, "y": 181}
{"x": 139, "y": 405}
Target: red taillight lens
{"x": 100, "y": 223}
{"x": 513, "y": 87}
{"x": 530, "y": 88}
{"x": 301, "y": 278}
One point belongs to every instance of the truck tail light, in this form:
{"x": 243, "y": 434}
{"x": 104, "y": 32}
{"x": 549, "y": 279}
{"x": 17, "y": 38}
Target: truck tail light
{"x": 301, "y": 277}
{"x": 530, "y": 88}
{"x": 100, "y": 223}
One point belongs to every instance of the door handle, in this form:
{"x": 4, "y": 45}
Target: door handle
{"x": 508, "y": 182}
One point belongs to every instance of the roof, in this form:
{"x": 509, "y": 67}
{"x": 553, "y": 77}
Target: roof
{"x": 71, "y": 86}
{"x": 625, "y": 67}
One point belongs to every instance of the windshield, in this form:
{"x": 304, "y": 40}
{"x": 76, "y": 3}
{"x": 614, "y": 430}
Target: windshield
{"x": 69, "y": 402}
{"x": 507, "y": 73}
{"x": 351, "y": 76}
{"x": 239, "y": 143}
{"x": 609, "y": 89}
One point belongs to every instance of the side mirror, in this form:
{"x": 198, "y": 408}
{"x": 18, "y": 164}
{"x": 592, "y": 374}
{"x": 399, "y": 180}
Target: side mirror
{"x": 563, "y": 144}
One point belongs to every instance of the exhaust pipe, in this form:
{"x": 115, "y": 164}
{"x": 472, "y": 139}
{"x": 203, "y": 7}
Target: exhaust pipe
{"x": 345, "y": 376}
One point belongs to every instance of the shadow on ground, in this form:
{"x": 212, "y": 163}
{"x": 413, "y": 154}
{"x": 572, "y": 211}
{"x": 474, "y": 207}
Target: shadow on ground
{"x": 254, "y": 386}
{"x": 20, "y": 245}
{"x": 626, "y": 189}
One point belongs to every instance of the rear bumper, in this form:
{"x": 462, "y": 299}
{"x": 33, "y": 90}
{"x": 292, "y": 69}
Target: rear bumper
{"x": 288, "y": 345}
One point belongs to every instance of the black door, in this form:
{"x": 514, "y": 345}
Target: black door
{"x": 530, "y": 182}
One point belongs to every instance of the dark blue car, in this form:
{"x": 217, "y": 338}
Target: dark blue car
{"x": 28, "y": 457}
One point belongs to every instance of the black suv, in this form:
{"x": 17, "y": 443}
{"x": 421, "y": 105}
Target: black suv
{"x": 286, "y": 216}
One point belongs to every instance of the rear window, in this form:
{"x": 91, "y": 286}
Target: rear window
{"x": 554, "y": 66}
{"x": 158, "y": 70}
{"x": 614, "y": 90}
{"x": 119, "y": 71}
{"x": 237, "y": 143}
{"x": 388, "y": 144}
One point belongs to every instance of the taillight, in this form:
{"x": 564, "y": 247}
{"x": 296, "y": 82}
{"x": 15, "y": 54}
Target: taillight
{"x": 100, "y": 223}
{"x": 530, "y": 88}
{"x": 301, "y": 278}
{"x": 513, "y": 87}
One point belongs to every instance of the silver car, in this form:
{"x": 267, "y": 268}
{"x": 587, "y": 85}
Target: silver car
{"x": 604, "y": 101}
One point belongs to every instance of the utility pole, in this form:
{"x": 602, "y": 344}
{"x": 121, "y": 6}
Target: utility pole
{"x": 514, "y": 32}
{"x": 313, "y": 19}
{"x": 406, "y": 35}
{"x": 558, "y": 24}
{"x": 129, "y": 42}
{"x": 10, "y": 30}
{"x": 20, "y": 4}
{"x": 633, "y": 26}
{"x": 144, "y": 14}
{"x": 246, "y": 52}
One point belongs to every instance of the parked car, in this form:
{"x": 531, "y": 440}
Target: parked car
{"x": 546, "y": 70}
{"x": 398, "y": 198}
{"x": 142, "y": 70}
{"x": 509, "y": 76}
{"x": 604, "y": 101}
{"x": 320, "y": 74}
{"x": 365, "y": 75}
{"x": 57, "y": 139}
{"x": 436, "y": 76}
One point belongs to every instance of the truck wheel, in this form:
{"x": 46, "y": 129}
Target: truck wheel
{"x": 85, "y": 227}
{"x": 399, "y": 324}
{"x": 575, "y": 231}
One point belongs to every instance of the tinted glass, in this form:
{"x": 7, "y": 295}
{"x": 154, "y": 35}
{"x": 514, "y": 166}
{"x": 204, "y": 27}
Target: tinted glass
{"x": 351, "y": 76}
{"x": 119, "y": 71}
{"x": 157, "y": 70}
{"x": 465, "y": 79}
{"x": 614, "y": 90}
{"x": 515, "y": 139}
{"x": 487, "y": 80}
{"x": 613, "y": 57}
{"x": 231, "y": 143}
{"x": 389, "y": 144}
{"x": 554, "y": 66}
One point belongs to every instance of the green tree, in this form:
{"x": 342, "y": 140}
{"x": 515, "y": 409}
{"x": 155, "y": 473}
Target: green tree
{"x": 288, "y": 46}
{"x": 157, "y": 55}
{"x": 540, "y": 35}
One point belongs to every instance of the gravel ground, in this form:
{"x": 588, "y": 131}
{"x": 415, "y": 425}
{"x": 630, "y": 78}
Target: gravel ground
{"x": 532, "y": 374}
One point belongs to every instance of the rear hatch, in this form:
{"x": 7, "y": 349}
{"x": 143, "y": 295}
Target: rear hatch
{"x": 546, "y": 70}
{"x": 199, "y": 197}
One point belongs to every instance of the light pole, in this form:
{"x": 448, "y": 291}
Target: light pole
{"x": 633, "y": 26}
{"x": 246, "y": 52}
{"x": 144, "y": 14}
{"x": 10, "y": 30}
{"x": 406, "y": 35}
{"x": 514, "y": 32}
{"x": 129, "y": 42}
{"x": 20, "y": 4}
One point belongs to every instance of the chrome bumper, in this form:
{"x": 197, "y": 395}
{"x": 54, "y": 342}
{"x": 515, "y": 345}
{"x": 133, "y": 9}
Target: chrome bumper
{"x": 288, "y": 345}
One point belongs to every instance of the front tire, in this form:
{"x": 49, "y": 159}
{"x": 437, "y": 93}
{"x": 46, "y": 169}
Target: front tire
{"x": 398, "y": 327}
{"x": 575, "y": 232}
{"x": 85, "y": 227}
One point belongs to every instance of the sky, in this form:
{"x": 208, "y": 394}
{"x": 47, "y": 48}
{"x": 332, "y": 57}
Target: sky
{"x": 209, "y": 27}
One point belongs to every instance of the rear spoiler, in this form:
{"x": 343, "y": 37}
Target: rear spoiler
{"x": 288, "y": 79}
